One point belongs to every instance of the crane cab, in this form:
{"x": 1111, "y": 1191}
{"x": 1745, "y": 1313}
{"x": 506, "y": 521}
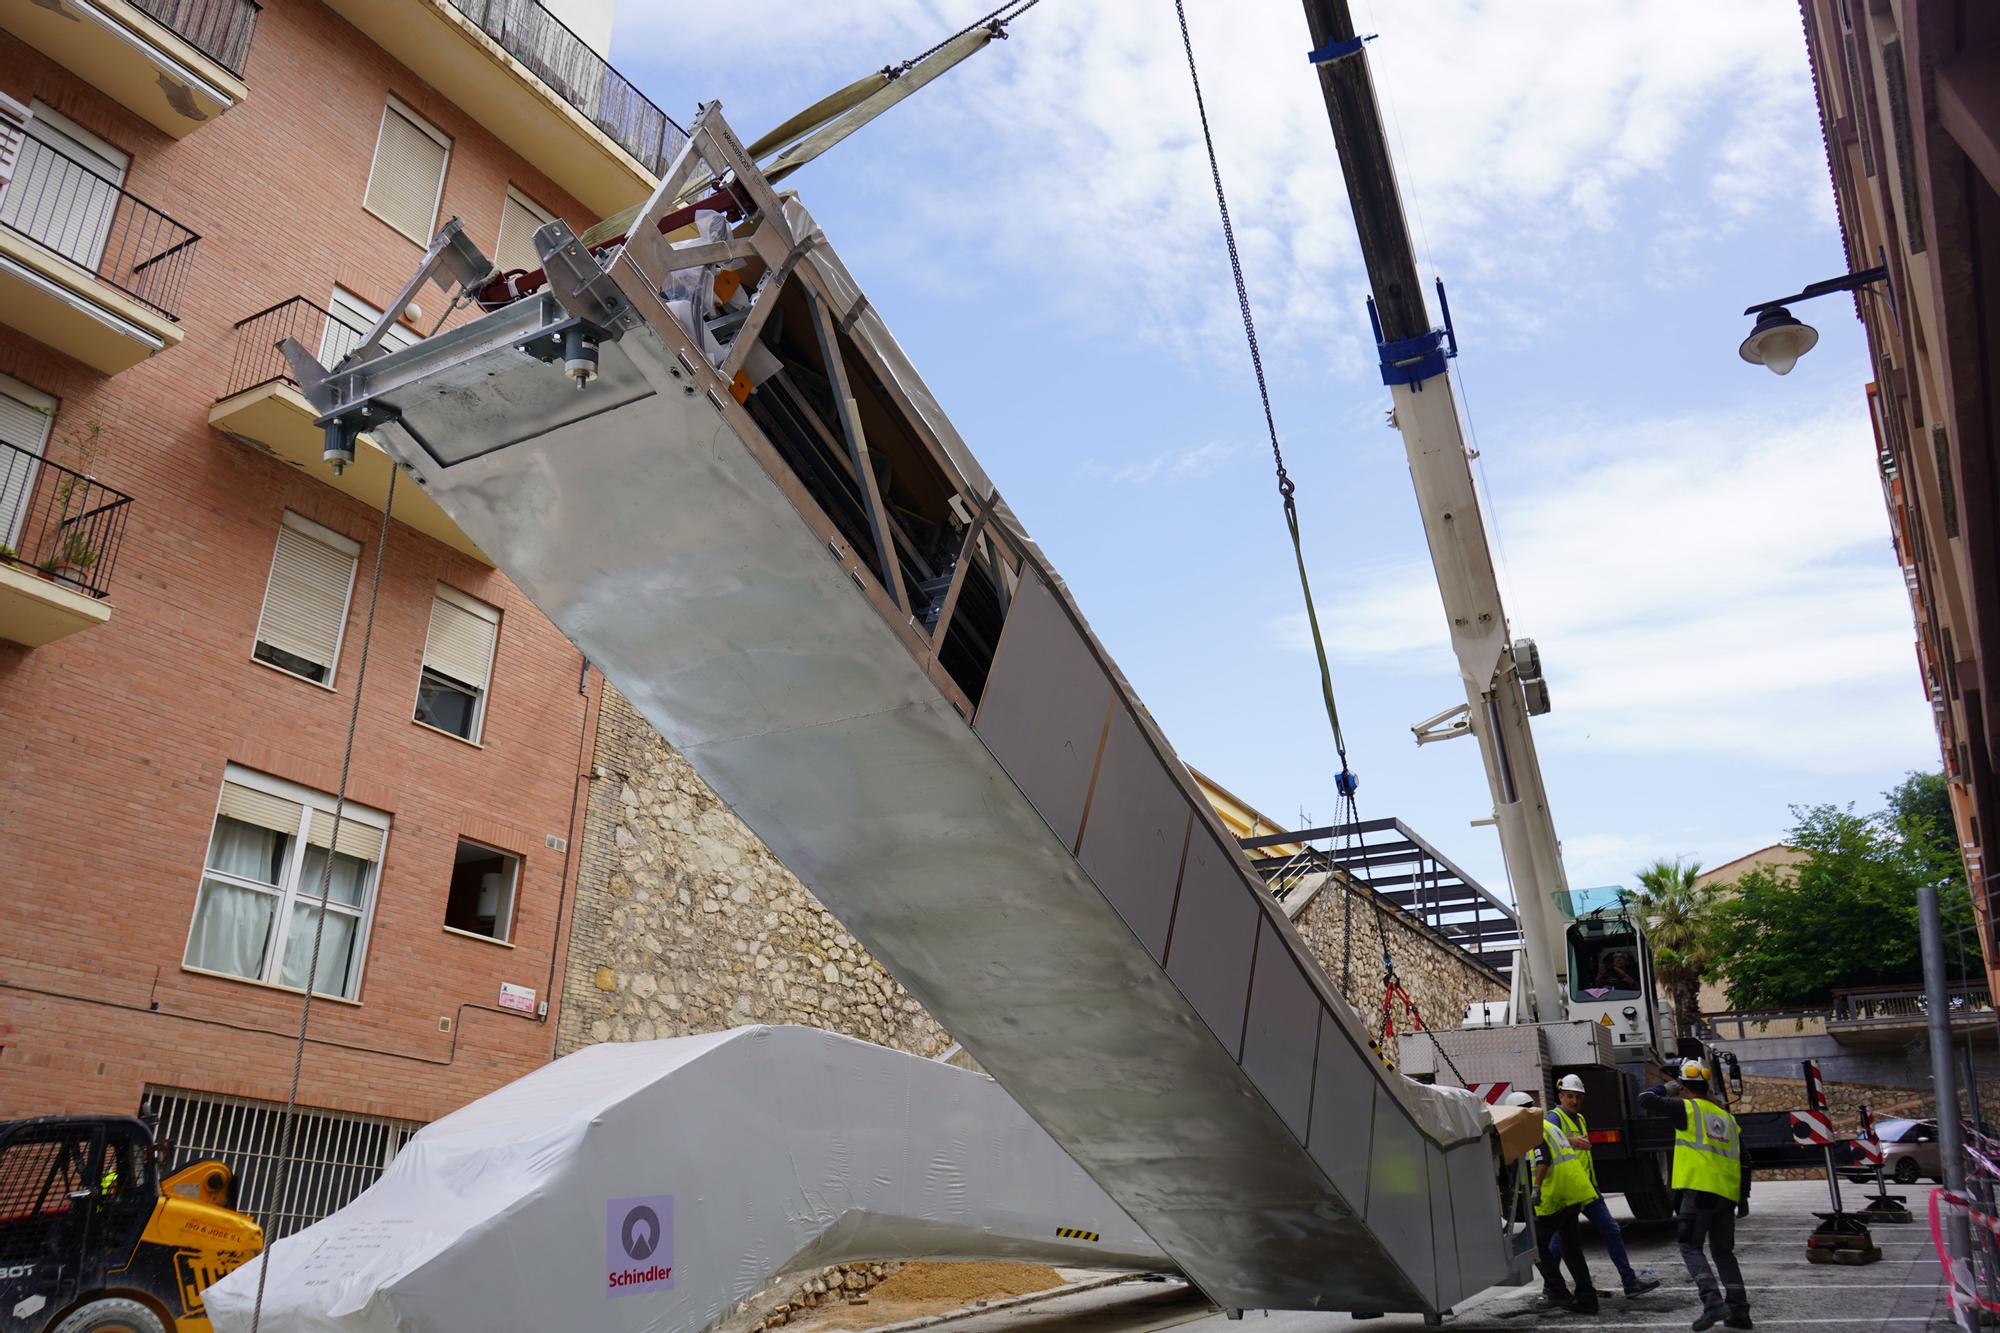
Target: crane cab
{"x": 1610, "y": 976}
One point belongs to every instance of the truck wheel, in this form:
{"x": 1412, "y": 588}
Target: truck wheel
{"x": 112, "y": 1314}
{"x": 1645, "y": 1193}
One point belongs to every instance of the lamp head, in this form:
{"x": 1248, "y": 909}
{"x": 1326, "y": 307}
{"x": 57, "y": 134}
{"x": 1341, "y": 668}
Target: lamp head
{"x": 1778, "y": 340}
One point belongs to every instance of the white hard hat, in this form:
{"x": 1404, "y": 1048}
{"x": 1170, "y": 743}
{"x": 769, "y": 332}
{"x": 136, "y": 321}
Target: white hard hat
{"x": 1570, "y": 1083}
{"x": 1694, "y": 1071}
{"x": 1517, "y": 1099}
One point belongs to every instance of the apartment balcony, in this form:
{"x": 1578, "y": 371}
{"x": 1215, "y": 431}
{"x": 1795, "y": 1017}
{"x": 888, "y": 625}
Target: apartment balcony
{"x": 177, "y": 63}
{"x": 532, "y": 83}
{"x": 263, "y": 407}
{"x": 60, "y": 533}
{"x": 1892, "y": 1015}
{"x": 86, "y": 266}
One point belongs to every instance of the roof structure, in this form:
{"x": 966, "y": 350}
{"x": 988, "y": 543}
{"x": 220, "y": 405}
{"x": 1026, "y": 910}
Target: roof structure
{"x": 1391, "y": 860}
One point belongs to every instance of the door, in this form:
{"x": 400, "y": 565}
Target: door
{"x": 65, "y": 188}
{"x": 25, "y": 417}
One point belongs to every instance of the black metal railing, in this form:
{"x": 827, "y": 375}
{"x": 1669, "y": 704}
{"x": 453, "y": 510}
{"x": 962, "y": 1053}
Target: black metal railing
{"x": 257, "y": 360}
{"x": 63, "y": 205}
{"x": 59, "y": 522}
{"x": 1899, "y": 1005}
{"x": 561, "y": 59}
{"x": 218, "y": 28}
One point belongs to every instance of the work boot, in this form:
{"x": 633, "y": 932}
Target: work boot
{"x": 1710, "y": 1317}
{"x": 1738, "y": 1321}
{"x": 1639, "y": 1286}
{"x": 1585, "y": 1302}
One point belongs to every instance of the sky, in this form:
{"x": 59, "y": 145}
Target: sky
{"x": 1698, "y": 547}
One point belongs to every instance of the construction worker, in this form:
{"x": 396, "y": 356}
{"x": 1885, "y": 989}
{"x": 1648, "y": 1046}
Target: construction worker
{"x": 1562, "y": 1187}
{"x": 1567, "y": 1117}
{"x": 1708, "y": 1172}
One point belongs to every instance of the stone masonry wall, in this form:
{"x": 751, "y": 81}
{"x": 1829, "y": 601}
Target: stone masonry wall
{"x": 1440, "y": 977}
{"x": 686, "y": 923}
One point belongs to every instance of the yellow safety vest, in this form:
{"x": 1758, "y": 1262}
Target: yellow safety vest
{"x": 1568, "y": 1181}
{"x": 1577, "y": 1127}
{"x": 1708, "y": 1151}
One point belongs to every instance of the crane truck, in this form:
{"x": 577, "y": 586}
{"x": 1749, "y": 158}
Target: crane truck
{"x": 1585, "y": 997}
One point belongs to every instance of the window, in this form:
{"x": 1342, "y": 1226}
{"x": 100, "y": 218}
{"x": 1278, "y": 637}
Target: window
{"x": 520, "y": 218}
{"x": 1604, "y": 960}
{"x": 305, "y": 601}
{"x": 64, "y": 191}
{"x": 349, "y": 322}
{"x": 458, "y": 662}
{"x": 271, "y": 848}
{"x": 25, "y": 416}
{"x": 408, "y": 174}
{"x": 481, "y": 901}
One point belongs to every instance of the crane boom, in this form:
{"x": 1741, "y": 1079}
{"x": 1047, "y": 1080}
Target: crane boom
{"x": 1414, "y": 353}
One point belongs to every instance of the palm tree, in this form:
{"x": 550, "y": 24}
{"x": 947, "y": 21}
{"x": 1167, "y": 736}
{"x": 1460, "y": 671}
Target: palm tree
{"x": 1675, "y": 912}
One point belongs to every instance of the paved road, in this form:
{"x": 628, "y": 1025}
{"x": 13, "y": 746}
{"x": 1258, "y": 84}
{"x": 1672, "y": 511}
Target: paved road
{"x": 1901, "y": 1294}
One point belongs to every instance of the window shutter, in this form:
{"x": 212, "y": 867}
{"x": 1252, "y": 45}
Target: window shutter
{"x": 408, "y": 174}
{"x": 261, "y": 808}
{"x": 520, "y": 219}
{"x": 356, "y": 838}
{"x": 349, "y": 319}
{"x": 13, "y": 128}
{"x": 305, "y": 605}
{"x": 460, "y": 642}
{"x": 24, "y": 423}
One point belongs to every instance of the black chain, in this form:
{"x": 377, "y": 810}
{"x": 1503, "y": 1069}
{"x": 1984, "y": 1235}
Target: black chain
{"x": 1286, "y": 492}
{"x": 1286, "y": 488}
{"x": 992, "y": 16}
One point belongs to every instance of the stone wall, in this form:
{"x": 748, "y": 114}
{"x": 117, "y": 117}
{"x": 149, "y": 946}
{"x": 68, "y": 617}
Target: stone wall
{"x": 686, "y": 923}
{"x": 1339, "y": 922}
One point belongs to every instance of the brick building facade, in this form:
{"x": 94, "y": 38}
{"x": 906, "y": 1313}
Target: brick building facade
{"x": 1912, "y": 127}
{"x": 167, "y": 759}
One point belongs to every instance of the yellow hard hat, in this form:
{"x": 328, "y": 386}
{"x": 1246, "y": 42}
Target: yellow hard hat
{"x": 1694, "y": 1071}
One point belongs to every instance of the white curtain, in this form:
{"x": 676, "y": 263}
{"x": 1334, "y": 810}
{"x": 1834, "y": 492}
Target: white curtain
{"x": 347, "y": 884}
{"x": 232, "y": 923}
{"x": 336, "y": 949}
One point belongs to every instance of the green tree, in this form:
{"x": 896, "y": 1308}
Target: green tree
{"x": 1846, "y": 915}
{"x": 1676, "y": 913}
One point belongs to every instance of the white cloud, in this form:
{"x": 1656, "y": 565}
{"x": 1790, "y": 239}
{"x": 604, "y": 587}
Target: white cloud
{"x": 1515, "y": 141}
{"x": 1713, "y": 584}
{"x": 1194, "y": 460}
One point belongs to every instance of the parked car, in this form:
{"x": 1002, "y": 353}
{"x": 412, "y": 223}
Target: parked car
{"x": 1909, "y": 1151}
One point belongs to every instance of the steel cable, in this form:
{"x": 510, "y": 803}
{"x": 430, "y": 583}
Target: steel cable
{"x": 1286, "y": 492}
{"x": 289, "y": 1131}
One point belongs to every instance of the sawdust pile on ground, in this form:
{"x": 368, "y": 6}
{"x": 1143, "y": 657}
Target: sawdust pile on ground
{"x": 918, "y": 1289}
{"x": 965, "y": 1282}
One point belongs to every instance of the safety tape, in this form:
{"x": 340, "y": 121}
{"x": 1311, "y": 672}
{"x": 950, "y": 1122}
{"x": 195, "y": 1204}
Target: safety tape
{"x": 1072, "y": 1233}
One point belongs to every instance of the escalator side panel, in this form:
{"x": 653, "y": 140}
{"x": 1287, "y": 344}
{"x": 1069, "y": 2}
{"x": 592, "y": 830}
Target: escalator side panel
{"x": 1282, "y": 1032}
{"x": 1215, "y": 931}
{"x": 1045, "y": 708}
{"x": 1135, "y": 833}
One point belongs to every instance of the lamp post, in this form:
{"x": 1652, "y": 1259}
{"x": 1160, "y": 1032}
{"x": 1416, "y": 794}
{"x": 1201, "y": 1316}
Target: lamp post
{"x": 1779, "y": 338}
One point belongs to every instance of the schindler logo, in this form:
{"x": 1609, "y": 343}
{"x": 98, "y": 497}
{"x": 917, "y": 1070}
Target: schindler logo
{"x": 639, "y": 1244}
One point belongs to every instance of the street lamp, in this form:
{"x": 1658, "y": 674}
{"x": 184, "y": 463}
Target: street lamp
{"x": 1780, "y": 338}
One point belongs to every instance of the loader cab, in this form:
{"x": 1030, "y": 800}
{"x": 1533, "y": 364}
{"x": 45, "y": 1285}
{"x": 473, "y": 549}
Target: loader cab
{"x": 88, "y": 1238}
{"x": 1611, "y": 978}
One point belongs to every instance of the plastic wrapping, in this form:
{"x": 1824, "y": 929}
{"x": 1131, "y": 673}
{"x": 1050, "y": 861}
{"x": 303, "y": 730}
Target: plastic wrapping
{"x": 656, "y": 1185}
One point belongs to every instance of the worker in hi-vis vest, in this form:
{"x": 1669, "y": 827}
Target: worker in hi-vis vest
{"x": 1562, "y": 1187}
{"x": 1708, "y": 1172}
{"x": 1567, "y": 1117}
